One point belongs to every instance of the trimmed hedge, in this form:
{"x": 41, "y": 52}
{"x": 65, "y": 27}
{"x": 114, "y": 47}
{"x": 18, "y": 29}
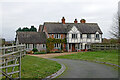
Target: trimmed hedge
{"x": 39, "y": 52}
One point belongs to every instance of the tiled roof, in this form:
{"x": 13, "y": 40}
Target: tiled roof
{"x": 31, "y": 37}
{"x": 64, "y": 28}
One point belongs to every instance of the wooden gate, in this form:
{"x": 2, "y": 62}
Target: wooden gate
{"x": 10, "y": 61}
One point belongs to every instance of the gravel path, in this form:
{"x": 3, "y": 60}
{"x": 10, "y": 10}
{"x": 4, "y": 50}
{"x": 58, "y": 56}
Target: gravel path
{"x": 50, "y": 55}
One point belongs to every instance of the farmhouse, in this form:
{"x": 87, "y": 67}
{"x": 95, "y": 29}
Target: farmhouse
{"x": 78, "y": 35}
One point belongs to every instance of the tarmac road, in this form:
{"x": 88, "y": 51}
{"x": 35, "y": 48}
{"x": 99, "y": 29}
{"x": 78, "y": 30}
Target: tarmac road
{"x": 84, "y": 69}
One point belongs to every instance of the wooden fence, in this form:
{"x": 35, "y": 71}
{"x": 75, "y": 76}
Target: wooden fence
{"x": 10, "y": 61}
{"x": 104, "y": 46}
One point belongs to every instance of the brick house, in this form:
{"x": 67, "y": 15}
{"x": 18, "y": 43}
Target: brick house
{"x": 79, "y": 35}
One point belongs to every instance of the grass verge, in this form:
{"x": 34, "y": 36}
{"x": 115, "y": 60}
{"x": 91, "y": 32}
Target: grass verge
{"x": 34, "y": 67}
{"x": 103, "y": 56}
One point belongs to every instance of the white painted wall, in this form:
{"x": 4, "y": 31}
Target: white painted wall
{"x": 84, "y": 39}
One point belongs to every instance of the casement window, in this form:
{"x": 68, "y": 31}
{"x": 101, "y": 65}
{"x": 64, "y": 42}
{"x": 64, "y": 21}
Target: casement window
{"x": 74, "y": 36}
{"x": 97, "y": 36}
{"x": 88, "y": 36}
{"x": 27, "y": 45}
{"x": 57, "y": 36}
{"x": 44, "y": 46}
{"x": 34, "y": 46}
{"x": 81, "y": 36}
{"x": 57, "y": 45}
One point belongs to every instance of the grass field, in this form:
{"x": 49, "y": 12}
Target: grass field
{"x": 34, "y": 67}
{"x": 103, "y": 56}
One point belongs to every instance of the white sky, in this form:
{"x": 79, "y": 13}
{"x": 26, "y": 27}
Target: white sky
{"x": 24, "y": 13}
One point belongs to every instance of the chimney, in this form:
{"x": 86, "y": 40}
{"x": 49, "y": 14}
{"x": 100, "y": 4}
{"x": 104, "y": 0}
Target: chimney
{"x": 63, "y": 20}
{"x": 75, "y": 21}
{"x": 83, "y": 21}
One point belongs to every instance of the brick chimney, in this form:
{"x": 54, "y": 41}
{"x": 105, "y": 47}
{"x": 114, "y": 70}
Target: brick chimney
{"x": 75, "y": 21}
{"x": 83, "y": 21}
{"x": 63, "y": 20}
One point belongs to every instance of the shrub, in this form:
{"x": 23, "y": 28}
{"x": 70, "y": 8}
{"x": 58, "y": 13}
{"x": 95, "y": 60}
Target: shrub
{"x": 30, "y": 52}
{"x": 34, "y": 50}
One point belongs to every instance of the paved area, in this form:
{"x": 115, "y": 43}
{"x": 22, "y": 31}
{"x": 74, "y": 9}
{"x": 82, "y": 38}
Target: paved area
{"x": 84, "y": 69}
{"x": 50, "y": 55}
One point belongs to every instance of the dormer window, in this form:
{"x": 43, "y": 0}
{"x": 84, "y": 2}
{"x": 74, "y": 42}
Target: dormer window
{"x": 88, "y": 36}
{"x": 74, "y": 36}
{"x": 97, "y": 37}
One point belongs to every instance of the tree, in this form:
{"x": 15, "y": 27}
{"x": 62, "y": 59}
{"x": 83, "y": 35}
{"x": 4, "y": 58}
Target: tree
{"x": 115, "y": 28}
{"x": 19, "y": 29}
{"x": 25, "y": 29}
{"x": 33, "y": 29}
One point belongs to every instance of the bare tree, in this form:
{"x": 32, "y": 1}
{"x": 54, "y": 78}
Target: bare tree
{"x": 115, "y": 27}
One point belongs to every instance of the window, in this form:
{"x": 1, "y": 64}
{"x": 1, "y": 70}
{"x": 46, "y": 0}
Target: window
{"x": 44, "y": 46}
{"x": 97, "y": 36}
{"x": 57, "y": 45}
{"x": 74, "y": 36}
{"x": 89, "y": 36}
{"x": 81, "y": 36}
{"x": 57, "y": 36}
{"x": 34, "y": 45}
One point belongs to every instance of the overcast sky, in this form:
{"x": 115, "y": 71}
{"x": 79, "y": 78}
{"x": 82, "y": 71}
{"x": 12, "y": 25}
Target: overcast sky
{"x": 24, "y": 13}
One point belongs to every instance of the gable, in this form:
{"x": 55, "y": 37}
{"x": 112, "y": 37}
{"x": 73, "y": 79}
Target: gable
{"x": 74, "y": 30}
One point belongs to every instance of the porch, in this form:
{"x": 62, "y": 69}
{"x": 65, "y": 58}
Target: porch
{"x": 77, "y": 47}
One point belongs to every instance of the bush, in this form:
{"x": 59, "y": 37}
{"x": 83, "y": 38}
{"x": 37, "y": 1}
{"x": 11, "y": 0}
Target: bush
{"x": 39, "y": 52}
{"x": 30, "y": 52}
{"x": 34, "y": 50}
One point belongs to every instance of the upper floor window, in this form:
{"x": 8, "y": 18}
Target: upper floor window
{"x": 74, "y": 36}
{"x": 97, "y": 36}
{"x": 89, "y": 36}
{"x": 57, "y": 36}
{"x": 81, "y": 36}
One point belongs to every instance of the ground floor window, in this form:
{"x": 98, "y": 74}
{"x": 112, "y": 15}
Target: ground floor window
{"x": 44, "y": 46}
{"x": 27, "y": 45}
{"x": 88, "y": 46}
{"x": 57, "y": 45}
{"x": 34, "y": 46}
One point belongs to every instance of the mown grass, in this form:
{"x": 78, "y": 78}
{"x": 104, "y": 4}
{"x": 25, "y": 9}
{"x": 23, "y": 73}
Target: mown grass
{"x": 103, "y": 56}
{"x": 34, "y": 67}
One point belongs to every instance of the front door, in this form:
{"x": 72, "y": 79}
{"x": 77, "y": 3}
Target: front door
{"x": 73, "y": 47}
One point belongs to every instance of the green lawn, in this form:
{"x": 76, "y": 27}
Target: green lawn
{"x": 103, "y": 56}
{"x": 34, "y": 67}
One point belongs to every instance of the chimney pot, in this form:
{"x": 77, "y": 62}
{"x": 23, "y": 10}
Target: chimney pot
{"x": 83, "y": 21}
{"x": 75, "y": 21}
{"x": 63, "y": 20}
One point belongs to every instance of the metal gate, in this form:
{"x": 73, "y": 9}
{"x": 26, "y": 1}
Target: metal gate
{"x": 10, "y": 61}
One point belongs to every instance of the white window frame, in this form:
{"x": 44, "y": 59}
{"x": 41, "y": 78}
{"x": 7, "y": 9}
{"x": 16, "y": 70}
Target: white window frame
{"x": 74, "y": 36}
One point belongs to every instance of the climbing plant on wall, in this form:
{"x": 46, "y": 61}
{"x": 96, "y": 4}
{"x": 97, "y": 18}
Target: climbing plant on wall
{"x": 51, "y": 41}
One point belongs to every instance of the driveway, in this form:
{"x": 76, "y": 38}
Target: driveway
{"x": 84, "y": 69}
